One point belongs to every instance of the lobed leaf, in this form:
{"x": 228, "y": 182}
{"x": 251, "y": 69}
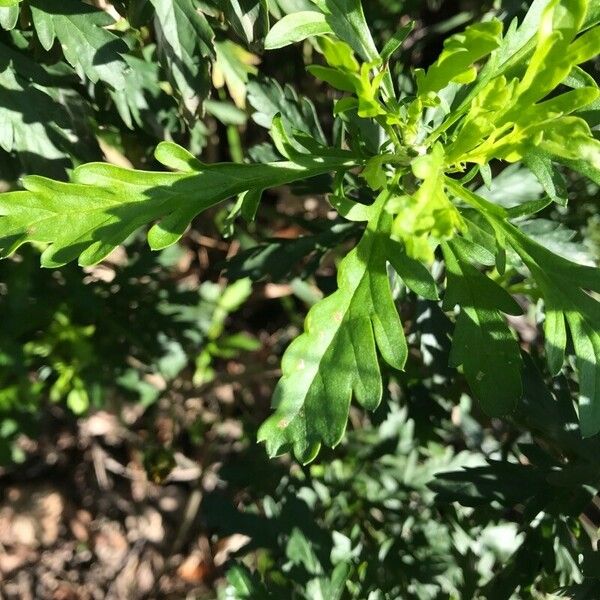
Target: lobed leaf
{"x": 483, "y": 343}
{"x": 104, "y": 204}
{"x": 185, "y": 42}
{"x": 564, "y": 286}
{"x": 336, "y": 357}
{"x": 461, "y": 52}
{"x": 81, "y": 31}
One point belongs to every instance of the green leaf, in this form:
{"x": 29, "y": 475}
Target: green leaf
{"x": 88, "y": 46}
{"x": 583, "y": 166}
{"x": 550, "y": 178}
{"x": 397, "y": 39}
{"x": 512, "y": 187}
{"x": 563, "y": 285}
{"x": 137, "y": 101}
{"x": 105, "y": 204}
{"x": 185, "y": 42}
{"x": 461, "y": 51}
{"x": 296, "y": 28}
{"x": 300, "y": 551}
{"x": 249, "y": 18}
{"x": 336, "y": 357}
{"x": 297, "y": 113}
{"x": 412, "y": 272}
{"x": 275, "y": 259}
{"x": 483, "y": 343}
{"x": 559, "y": 239}
{"x": 243, "y": 585}
{"x": 347, "y": 20}
{"x": 9, "y": 15}
{"x": 35, "y": 122}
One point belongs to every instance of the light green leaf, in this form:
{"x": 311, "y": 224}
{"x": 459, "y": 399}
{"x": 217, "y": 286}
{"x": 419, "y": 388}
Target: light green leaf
{"x": 555, "y": 331}
{"x": 9, "y": 15}
{"x": 461, "y": 51}
{"x": 396, "y": 41}
{"x": 233, "y": 66}
{"x": 226, "y": 112}
{"x": 519, "y": 37}
{"x": 585, "y": 47}
{"x": 300, "y": 551}
{"x": 78, "y": 401}
{"x": 296, "y": 28}
{"x": 533, "y": 49}
{"x": 336, "y": 357}
{"x": 338, "y": 55}
{"x": 552, "y": 60}
{"x": 105, "y": 204}
{"x": 426, "y": 217}
{"x": 345, "y": 82}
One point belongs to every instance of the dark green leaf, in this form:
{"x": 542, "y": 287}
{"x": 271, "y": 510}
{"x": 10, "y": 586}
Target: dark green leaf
{"x": 412, "y": 272}
{"x": 483, "y": 344}
{"x": 347, "y": 20}
{"x": 249, "y": 18}
{"x": 185, "y": 42}
{"x": 86, "y": 43}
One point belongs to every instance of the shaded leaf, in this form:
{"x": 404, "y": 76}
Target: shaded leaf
{"x": 92, "y": 50}
{"x": 249, "y": 18}
{"x": 185, "y": 42}
{"x": 483, "y": 343}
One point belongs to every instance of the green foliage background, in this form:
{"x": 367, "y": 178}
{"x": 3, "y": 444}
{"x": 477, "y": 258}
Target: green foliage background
{"x": 426, "y": 497}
